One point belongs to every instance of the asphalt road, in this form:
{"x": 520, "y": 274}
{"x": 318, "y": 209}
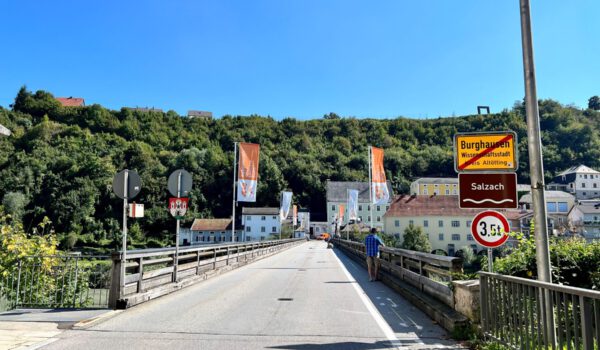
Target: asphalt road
{"x": 307, "y": 297}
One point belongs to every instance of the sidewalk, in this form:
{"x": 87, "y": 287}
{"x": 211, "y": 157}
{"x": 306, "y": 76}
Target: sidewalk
{"x": 30, "y": 328}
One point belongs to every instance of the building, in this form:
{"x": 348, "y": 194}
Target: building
{"x": 199, "y": 114}
{"x": 558, "y": 206}
{"x": 584, "y": 219}
{"x": 260, "y": 223}
{"x": 205, "y": 231}
{"x": 445, "y": 224}
{"x": 71, "y": 101}
{"x": 580, "y": 181}
{"x": 337, "y": 194}
{"x": 441, "y": 186}
{"x": 317, "y": 228}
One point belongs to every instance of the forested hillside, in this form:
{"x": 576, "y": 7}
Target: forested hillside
{"x": 60, "y": 161}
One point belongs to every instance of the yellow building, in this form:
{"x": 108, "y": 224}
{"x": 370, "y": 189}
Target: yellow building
{"x": 440, "y": 186}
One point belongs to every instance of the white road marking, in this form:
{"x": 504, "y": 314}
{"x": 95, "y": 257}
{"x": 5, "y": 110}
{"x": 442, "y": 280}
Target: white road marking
{"x": 383, "y": 325}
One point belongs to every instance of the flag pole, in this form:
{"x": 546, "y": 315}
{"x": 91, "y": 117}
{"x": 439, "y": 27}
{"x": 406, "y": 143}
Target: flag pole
{"x": 234, "y": 191}
{"x": 348, "y": 211}
{"x": 280, "y": 219}
{"x": 370, "y": 188}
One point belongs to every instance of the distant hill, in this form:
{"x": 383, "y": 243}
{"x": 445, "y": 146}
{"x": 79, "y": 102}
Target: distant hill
{"x": 60, "y": 160}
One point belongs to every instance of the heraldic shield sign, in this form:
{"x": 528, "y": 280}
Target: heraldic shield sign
{"x": 178, "y": 207}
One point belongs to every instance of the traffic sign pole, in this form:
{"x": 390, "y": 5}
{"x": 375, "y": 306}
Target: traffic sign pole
{"x": 176, "y": 260}
{"x": 124, "y": 243}
{"x": 490, "y": 260}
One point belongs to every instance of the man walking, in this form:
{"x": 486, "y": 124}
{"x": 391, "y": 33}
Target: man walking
{"x": 372, "y": 243}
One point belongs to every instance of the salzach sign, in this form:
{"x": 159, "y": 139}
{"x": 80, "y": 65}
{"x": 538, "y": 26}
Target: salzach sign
{"x": 487, "y": 190}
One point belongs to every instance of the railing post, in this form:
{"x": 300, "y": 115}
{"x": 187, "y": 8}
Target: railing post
{"x": 197, "y": 262}
{"x": 214, "y": 258}
{"x": 227, "y": 256}
{"x": 483, "y": 297}
{"x": 19, "y": 265}
{"x": 115, "y": 281}
{"x": 140, "y": 286}
{"x": 76, "y": 280}
{"x": 587, "y": 328}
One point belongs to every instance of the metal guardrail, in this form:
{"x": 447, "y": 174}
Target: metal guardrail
{"x": 518, "y": 313}
{"x": 429, "y": 273}
{"x": 152, "y": 272}
{"x": 58, "y": 281}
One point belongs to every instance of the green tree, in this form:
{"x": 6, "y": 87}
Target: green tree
{"x": 594, "y": 103}
{"x": 415, "y": 239}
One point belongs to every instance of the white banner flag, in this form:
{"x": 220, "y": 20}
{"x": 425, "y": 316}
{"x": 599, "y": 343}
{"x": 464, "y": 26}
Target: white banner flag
{"x": 352, "y": 205}
{"x": 286, "y": 203}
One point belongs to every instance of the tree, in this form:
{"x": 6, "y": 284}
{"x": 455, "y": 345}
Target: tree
{"x": 14, "y": 204}
{"x": 594, "y": 103}
{"x": 416, "y": 239}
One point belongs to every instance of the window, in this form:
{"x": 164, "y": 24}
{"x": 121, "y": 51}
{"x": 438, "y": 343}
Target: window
{"x": 378, "y": 218}
{"x": 387, "y": 207}
{"x": 468, "y": 223}
{"x": 378, "y": 208}
{"x": 397, "y": 235}
{"x": 262, "y": 238}
{"x": 248, "y": 229}
{"x": 369, "y": 207}
{"x": 436, "y": 192}
{"x": 274, "y": 229}
{"x": 563, "y": 207}
{"x": 469, "y": 237}
{"x": 248, "y": 217}
{"x": 474, "y": 247}
{"x": 360, "y": 207}
{"x": 455, "y": 237}
{"x": 369, "y": 218}
{"x": 447, "y": 191}
{"x": 397, "y": 223}
{"x": 441, "y": 236}
{"x": 585, "y": 176}
{"x": 455, "y": 223}
{"x": 454, "y": 191}
{"x": 427, "y": 235}
{"x": 360, "y": 218}
{"x": 274, "y": 217}
{"x": 551, "y": 207}
{"x": 263, "y": 229}
{"x": 425, "y": 223}
{"x": 333, "y": 207}
{"x": 584, "y": 193}
{"x": 411, "y": 222}
{"x": 441, "y": 223}
{"x": 595, "y": 185}
{"x": 425, "y": 191}
{"x": 263, "y": 218}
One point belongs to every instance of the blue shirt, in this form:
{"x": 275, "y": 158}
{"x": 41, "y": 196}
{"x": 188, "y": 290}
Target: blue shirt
{"x": 372, "y": 243}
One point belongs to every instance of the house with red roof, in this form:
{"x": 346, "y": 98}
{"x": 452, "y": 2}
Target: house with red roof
{"x": 71, "y": 101}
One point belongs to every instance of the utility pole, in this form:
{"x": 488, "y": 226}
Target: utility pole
{"x": 536, "y": 166}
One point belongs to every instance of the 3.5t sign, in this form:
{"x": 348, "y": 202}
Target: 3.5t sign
{"x": 490, "y": 228}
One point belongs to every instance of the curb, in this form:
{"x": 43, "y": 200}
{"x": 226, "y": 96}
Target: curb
{"x": 90, "y": 322}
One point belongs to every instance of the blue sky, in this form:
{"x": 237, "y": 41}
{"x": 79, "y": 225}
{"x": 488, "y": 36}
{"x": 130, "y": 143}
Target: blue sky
{"x": 302, "y": 59}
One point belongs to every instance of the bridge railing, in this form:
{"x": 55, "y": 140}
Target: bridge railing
{"x": 56, "y": 281}
{"x": 430, "y": 273}
{"x": 527, "y": 314}
{"x": 152, "y": 272}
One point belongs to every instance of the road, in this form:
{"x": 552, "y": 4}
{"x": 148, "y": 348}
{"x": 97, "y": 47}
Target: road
{"x": 308, "y": 297}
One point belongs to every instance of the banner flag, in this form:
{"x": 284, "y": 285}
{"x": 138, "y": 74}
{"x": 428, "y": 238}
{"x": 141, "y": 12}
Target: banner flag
{"x": 295, "y": 214}
{"x": 379, "y": 190}
{"x": 352, "y": 205}
{"x": 341, "y": 212}
{"x": 286, "y": 202}
{"x": 248, "y": 172}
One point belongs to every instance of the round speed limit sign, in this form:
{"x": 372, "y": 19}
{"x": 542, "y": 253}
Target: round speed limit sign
{"x": 489, "y": 228}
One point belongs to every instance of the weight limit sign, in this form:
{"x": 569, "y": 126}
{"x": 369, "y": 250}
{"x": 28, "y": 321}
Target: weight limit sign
{"x": 490, "y": 228}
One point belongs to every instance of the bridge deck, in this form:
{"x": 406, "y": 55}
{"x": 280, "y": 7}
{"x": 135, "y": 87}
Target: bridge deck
{"x": 307, "y": 297}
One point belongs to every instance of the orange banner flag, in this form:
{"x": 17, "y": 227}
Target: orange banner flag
{"x": 379, "y": 190}
{"x": 248, "y": 172}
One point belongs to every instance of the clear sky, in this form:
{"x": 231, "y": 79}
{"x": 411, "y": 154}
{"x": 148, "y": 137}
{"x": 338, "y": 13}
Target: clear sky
{"x": 299, "y": 58}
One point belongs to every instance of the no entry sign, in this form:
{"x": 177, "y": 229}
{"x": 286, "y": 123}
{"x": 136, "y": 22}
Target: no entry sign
{"x": 490, "y": 228}
{"x": 485, "y": 151}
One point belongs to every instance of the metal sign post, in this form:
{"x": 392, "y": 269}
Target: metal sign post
{"x": 180, "y": 184}
{"x": 490, "y": 260}
{"x": 126, "y": 184}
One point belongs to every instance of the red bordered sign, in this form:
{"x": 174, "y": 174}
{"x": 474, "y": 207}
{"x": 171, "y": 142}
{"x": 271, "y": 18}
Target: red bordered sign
{"x": 490, "y": 228}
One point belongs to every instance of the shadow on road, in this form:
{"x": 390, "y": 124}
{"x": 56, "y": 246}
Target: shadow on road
{"x": 413, "y": 327}
{"x": 349, "y": 345}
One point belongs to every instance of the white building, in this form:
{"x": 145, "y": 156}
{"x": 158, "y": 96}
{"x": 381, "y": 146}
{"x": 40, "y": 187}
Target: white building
{"x": 317, "y": 228}
{"x": 260, "y": 223}
{"x": 581, "y": 181}
{"x": 558, "y": 206}
{"x": 337, "y": 194}
{"x": 440, "y": 186}
{"x": 584, "y": 219}
{"x": 204, "y": 231}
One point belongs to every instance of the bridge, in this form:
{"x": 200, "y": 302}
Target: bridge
{"x": 293, "y": 294}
